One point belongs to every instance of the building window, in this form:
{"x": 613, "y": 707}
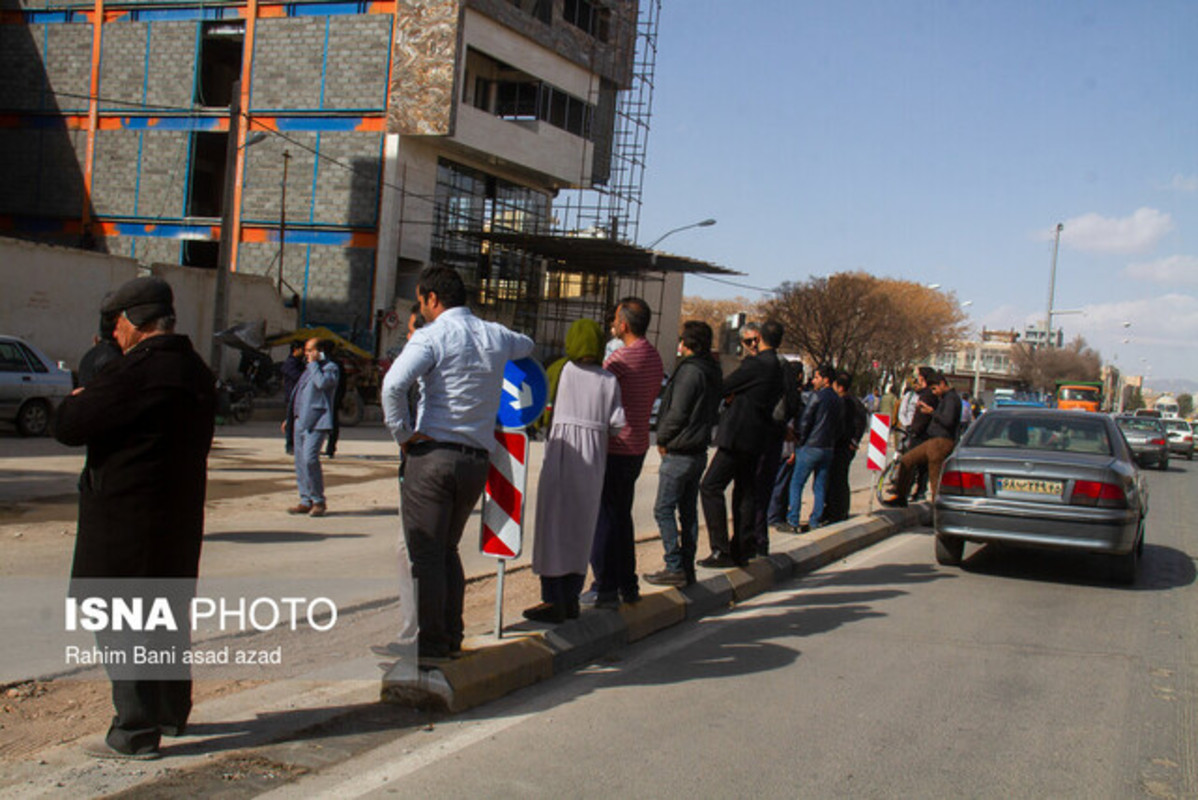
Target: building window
{"x": 541, "y": 9}
{"x": 516, "y": 96}
{"x": 209, "y": 158}
{"x": 470, "y": 200}
{"x": 221, "y": 47}
{"x": 588, "y": 16}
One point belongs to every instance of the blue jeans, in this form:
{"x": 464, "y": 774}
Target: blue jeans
{"x": 807, "y": 461}
{"x": 678, "y": 488}
{"x": 780, "y": 498}
{"x": 308, "y": 477}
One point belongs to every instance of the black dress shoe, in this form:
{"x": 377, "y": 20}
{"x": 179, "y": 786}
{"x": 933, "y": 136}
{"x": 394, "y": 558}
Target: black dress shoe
{"x": 716, "y": 561}
{"x": 546, "y": 612}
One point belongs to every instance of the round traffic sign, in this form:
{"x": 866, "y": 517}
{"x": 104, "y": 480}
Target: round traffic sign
{"x": 525, "y": 392}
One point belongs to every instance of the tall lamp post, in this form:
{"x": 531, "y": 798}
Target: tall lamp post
{"x": 1052, "y": 285}
{"x": 707, "y": 223}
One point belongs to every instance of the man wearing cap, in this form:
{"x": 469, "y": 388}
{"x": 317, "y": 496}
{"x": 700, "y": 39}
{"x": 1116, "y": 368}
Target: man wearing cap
{"x": 312, "y": 409}
{"x": 147, "y": 421}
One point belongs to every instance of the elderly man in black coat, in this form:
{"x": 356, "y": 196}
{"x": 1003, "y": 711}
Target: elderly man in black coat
{"x": 147, "y": 421}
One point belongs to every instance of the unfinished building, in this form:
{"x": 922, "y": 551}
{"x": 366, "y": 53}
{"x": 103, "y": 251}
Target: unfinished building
{"x": 371, "y": 139}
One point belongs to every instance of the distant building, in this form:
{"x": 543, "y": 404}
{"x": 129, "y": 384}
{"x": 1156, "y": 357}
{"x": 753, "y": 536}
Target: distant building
{"x": 980, "y": 365}
{"x": 1036, "y": 337}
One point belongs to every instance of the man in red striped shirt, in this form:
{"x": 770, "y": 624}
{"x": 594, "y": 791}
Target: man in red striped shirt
{"x": 638, "y": 368}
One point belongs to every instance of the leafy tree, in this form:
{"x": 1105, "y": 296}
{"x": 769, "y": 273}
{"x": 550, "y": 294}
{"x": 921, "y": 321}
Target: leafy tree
{"x": 1042, "y": 367}
{"x": 1185, "y": 405}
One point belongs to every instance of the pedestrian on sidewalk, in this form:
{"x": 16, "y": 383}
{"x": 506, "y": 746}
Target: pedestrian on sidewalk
{"x": 751, "y": 392}
{"x": 769, "y": 464}
{"x": 925, "y": 398}
{"x": 405, "y": 642}
{"x": 943, "y": 427}
{"x": 819, "y": 430}
{"x": 586, "y": 412}
{"x": 312, "y": 413}
{"x": 103, "y": 351}
{"x": 147, "y": 422}
{"x": 638, "y": 368}
{"x": 330, "y": 352}
{"x": 689, "y": 410}
{"x": 292, "y": 369}
{"x": 855, "y": 424}
{"x": 458, "y": 361}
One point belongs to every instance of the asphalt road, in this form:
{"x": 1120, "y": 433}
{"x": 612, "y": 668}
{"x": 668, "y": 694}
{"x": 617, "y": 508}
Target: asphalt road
{"x": 1024, "y": 674}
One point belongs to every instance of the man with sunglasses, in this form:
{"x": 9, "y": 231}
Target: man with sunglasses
{"x": 750, "y": 394}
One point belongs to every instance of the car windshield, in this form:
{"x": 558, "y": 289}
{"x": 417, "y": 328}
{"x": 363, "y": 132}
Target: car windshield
{"x": 1079, "y": 393}
{"x": 1041, "y": 433}
{"x": 1147, "y": 424}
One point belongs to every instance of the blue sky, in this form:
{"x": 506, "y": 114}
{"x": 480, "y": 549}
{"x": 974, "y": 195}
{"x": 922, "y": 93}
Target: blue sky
{"x": 942, "y": 142}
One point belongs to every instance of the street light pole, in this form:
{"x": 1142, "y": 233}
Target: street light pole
{"x": 707, "y": 223}
{"x": 283, "y": 220}
{"x": 1052, "y": 286}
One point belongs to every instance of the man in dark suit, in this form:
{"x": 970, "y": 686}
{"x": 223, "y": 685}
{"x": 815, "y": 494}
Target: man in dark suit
{"x": 751, "y": 393}
{"x": 147, "y": 421}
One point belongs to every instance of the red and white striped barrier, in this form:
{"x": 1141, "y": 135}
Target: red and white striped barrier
{"x": 503, "y": 499}
{"x": 879, "y": 438}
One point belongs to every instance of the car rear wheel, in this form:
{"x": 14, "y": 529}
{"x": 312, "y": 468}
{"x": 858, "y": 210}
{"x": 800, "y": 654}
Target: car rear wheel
{"x": 949, "y": 549}
{"x": 34, "y": 418}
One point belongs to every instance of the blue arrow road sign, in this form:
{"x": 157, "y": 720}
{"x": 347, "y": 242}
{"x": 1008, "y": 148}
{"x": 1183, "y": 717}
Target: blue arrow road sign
{"x": 525, "y": 392}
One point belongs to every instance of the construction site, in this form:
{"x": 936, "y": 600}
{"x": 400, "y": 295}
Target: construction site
{"x": 338, "y": 148}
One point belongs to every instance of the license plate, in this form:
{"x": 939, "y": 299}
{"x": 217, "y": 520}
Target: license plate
{"x": 1030, "y": 486}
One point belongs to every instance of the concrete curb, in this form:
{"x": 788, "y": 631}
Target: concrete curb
{"x": 530, "y": 654}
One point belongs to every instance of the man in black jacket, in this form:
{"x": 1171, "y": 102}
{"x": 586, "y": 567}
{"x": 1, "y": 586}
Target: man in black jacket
{"x": 751, "y": 392}
{"x": 942, "y": 431}
{"x": 856, "y": 423}
{"x": 147, "y": 421}
{"x": 817, "y": 433}
{"x": 689, "y": 406}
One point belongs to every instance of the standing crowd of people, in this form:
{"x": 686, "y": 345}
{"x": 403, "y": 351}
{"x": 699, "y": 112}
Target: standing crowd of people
{"x": 146, "y": 415}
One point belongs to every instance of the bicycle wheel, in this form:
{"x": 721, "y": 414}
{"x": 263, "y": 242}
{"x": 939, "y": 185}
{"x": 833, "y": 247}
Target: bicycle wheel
{"x": 885, "y": 479}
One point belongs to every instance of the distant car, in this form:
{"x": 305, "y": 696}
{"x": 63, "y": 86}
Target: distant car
{"x": 31, "y": 386}
{"x": 1181, "y": 437}
{"x": 1147, "y": 438}
{"x": 1064, "y": 480}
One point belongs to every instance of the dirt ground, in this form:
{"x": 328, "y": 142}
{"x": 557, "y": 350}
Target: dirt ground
{"x": 38, "y": 715}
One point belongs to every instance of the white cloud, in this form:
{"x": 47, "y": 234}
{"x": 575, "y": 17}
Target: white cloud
{"x": 1161, "y": 339}
{"x": 1184, "y": 183}
{"x": 1138, "y": 233}
{"x": 1174, "y": 270}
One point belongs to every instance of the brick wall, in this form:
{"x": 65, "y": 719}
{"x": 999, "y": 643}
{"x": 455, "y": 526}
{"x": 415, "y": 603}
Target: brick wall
{"x": 172, "y": 58}
{"x": 288, "y": 54}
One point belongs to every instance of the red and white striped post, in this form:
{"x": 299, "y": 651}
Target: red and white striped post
{"x": 503, "y": 508}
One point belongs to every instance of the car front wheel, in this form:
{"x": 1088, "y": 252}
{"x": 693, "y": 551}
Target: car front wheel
{"x": 949, "y": 549}
{"x": 34, "y": 418}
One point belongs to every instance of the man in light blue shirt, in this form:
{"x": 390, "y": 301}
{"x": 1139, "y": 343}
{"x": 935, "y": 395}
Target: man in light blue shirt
{"x": 457, "y": 360}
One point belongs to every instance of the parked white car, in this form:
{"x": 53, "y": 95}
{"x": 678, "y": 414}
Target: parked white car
{"x": 31, "y": 386}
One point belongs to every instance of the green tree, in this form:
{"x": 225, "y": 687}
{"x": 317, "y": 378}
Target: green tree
{"x": 1185, "y": 404}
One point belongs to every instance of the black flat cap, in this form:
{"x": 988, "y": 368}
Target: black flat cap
{"x": 142, "y": 300}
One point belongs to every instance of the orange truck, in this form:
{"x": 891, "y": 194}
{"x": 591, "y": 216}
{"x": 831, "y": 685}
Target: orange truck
{"x": 1080, "y": 395}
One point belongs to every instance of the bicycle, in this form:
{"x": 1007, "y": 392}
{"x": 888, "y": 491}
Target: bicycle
{"x": 884, "y": 488}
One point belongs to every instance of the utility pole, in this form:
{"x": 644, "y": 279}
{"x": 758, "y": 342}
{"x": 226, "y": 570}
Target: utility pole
{"x": 220, "y": 302}
{"x": 1052, "y": 286}
{"x": 283, "y": 220}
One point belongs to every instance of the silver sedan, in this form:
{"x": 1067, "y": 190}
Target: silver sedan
{"x": 1064, "y": 480}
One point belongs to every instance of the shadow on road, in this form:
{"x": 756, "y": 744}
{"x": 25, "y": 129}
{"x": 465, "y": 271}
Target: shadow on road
{"x": 1161, "y": 567}
{"x": 276, "y": 537}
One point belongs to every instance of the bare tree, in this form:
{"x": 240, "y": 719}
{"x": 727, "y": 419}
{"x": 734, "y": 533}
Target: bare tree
{"x": 716, "y": 312}
{"x": 1042, "y": 367}
{"x": 853, "y": 319}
